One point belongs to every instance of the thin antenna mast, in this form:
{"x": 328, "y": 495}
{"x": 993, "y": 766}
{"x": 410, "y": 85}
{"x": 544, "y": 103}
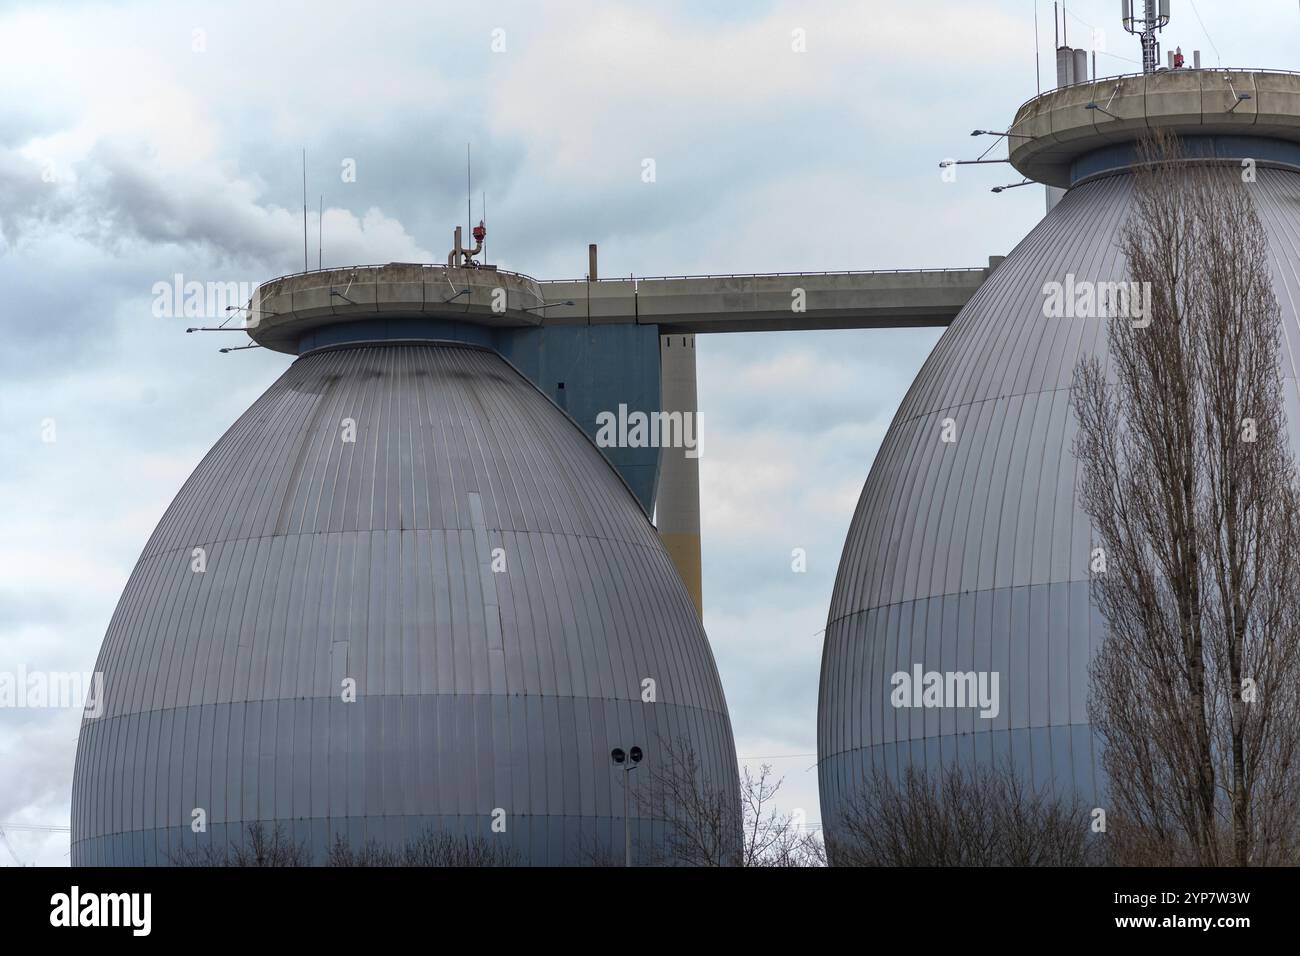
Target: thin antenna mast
{"x": 469, "y": 214}
{"x": 1038, "y": 70}
{"x": 320, "y": 233}
{"x": 305, "y": 267}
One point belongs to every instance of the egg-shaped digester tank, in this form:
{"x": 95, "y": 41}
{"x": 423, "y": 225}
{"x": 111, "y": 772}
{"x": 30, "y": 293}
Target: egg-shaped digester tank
{"x": 418, "y": 523}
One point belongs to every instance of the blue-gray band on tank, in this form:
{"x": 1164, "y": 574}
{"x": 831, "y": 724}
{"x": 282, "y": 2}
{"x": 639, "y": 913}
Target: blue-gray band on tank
{"x": 395, "y": 330}
{"x": 1120, "y": 156}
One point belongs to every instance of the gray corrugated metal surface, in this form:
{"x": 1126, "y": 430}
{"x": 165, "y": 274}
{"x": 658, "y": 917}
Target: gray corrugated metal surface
{"x": 973, "y": 555}
{"x": 372, "y": 560}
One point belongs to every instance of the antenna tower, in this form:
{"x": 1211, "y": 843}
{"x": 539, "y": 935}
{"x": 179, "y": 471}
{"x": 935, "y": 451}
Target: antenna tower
{"x": 1155, "y": 16}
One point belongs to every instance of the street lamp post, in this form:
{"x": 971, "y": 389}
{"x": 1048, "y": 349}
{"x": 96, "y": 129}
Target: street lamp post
{"x": 628, "y": 761}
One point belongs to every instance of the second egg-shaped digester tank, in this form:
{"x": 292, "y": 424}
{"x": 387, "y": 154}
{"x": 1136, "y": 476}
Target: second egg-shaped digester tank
{"x": 967, "y": 560}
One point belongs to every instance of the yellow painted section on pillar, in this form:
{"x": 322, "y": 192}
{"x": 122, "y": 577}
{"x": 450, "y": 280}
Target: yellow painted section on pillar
{"x": 684, "y": 549}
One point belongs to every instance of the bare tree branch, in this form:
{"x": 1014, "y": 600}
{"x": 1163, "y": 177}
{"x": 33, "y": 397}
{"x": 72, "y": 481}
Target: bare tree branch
{"x": 1187, "y": 475}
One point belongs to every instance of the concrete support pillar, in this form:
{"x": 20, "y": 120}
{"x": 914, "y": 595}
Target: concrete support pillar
{"x": 677, "y": 503}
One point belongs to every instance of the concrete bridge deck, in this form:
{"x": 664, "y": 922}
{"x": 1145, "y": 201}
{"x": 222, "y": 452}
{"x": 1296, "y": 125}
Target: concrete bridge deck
{"x": 771, "y": 302}
{"x": 284, "y": 309}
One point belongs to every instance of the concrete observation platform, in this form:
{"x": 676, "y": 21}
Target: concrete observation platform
{"x": 284, "y": 310}
{"x": 1074, "y": 133}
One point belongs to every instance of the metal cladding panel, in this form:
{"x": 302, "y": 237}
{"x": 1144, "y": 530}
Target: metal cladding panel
{"x": 372, "y": 559}
{"x": 973, "y": 555}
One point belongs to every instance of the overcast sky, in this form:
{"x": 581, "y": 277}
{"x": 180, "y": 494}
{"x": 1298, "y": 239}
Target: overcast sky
{"x": 142, "y": 140}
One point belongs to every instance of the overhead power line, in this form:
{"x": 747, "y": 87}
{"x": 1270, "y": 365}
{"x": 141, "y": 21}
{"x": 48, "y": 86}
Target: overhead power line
{"x": 1209, "y": 39}
{"x": 776, "y": 756}
{"x": 35, "y": 826}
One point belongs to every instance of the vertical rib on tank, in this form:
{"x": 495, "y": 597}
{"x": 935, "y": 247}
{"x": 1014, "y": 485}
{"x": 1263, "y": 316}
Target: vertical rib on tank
{"x": 470, "y": 561}
{"x": 972, "y": 555}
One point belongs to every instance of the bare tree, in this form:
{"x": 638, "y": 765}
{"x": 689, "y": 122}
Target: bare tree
{"x": 433, "y": 848}
{"x": 702, "y": 821}
{"x": 982, "y": 816}
{"x": 260, "y": 848}
{"x": 595, "y": 853}
{"x": 772, "y": 838}
{"x": 1189, "y": 481}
